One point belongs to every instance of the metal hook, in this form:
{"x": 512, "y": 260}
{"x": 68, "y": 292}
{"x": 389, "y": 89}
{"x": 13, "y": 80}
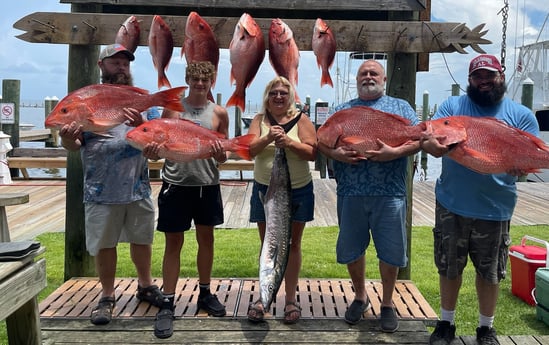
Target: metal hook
{"x": 88, "y": 24}
{"x": 45, "y": 24}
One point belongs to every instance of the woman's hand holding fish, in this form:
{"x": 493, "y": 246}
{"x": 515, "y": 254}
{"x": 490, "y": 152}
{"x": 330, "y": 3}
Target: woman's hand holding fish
{"x": 70, "y": 136}
{"x": 134, "y": 117}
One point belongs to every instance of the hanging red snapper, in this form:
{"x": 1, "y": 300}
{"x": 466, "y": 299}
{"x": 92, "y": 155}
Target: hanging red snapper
{"x": 247, "y": 51}
{"x": 491, "y": 146}
{"x": 128, "y": 34}
{"x": 182, "y": 140}
{"x": 360, "y": 127}
{"x": 324, "y": 48}
{"x": 100, "y": 107}
{"x": 283, "y": 52}
{"x": 161, "y": 48}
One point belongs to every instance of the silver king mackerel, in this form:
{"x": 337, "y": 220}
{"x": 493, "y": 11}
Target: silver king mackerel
{"x": 276, "y": 244}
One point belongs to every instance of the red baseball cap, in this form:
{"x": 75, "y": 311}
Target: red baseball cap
{"x": 485, "y": 61}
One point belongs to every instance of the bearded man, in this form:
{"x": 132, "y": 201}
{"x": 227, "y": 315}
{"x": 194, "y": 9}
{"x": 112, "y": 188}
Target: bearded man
{"x": 473, "y": 211}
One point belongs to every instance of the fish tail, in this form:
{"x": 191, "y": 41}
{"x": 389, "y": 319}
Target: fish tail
{"x": 241, "y": 145}
{"x": 238, "y": 99}
{"x": 171, "y": 98}
{"x": 163, "y": 81}
{"x": 326, "y": 78}
{"x": 210, "y": 96}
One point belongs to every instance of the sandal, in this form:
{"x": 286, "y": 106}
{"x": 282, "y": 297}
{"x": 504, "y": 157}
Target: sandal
{"x": 163, "y": 325}
{"x": 151, "y": 294}
{"x": 102, "y": 313}
{"x": 256, "y": 313}
{"x": 292, "y": 316}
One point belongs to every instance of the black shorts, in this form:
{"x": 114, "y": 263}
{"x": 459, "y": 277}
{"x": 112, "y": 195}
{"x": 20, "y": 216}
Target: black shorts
{"x": 178, "y": 206}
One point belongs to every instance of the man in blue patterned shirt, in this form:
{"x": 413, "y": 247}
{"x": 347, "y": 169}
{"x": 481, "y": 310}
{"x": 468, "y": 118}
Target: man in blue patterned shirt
{"x": 371, "y": 200}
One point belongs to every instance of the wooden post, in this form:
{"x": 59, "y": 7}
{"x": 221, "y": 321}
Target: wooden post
{"x": 49, "y": 104}
{"x": 83, "y": 71}
{"x": 527, "y": 99}
{"x": 401, "y": 83}
{"x": 455, "y": 90}
{"x": 424, "y": 117}
{"x": 11, "y": 93}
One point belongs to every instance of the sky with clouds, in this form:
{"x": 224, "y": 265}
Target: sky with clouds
{"x": 42, "y": 68}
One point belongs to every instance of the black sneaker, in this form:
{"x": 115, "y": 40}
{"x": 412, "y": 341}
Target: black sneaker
{"x": 211, "y": 304}
{"x": 353, "y": 315}
{"x": 443, "y": 334}
{"x": 487, "y": 336}
{"x": 388, "y": 320}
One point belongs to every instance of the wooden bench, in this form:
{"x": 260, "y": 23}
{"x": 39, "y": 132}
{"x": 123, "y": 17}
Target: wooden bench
{"x": 50, "y": 158}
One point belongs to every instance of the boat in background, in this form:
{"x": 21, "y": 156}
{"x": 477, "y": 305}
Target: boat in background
{"x": 26, "y": 126}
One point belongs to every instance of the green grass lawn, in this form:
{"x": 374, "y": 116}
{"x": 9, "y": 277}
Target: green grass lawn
{"x": 237, "y": 252}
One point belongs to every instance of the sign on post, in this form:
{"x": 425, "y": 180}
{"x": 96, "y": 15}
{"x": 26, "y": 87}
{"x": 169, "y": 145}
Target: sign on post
{"x": 7, "y": 113}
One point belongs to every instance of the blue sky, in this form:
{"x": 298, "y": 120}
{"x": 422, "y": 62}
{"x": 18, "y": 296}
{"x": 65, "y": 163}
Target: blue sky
{"x": 42, "y": 68}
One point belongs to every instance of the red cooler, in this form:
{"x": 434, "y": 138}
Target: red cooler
{"x": 525, "y": 260}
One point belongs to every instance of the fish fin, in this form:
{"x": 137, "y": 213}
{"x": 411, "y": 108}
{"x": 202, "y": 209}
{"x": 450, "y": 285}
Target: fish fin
{"x": 171, "y": 98}
{"x": 163, "y": 80}
{"x": 326, "y": 78}
{"x": 353, "y": 140}
{"x": 242, "y": 144}
{"x": 238, "y": 100}
{"x": 539, "y": 143}
{"x": 210, "y": 96}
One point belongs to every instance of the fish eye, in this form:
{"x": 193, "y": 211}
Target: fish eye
{"x": 64, "y": 110}
{"x": 447, "y": 122}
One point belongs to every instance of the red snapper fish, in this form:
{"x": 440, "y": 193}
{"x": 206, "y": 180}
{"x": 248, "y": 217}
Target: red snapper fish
{"x": 324, "y": 48}
{"x": 491, "y": 146}
{"x": 283, "y": 52}
{"x": 183, "y": 141}
{"x": 128, "y": 34}
{"x": 161, "y": 48}
{"x": 101, "y": 107}
{"x": 247, "y": 51}
{"x": 360, "y": 127}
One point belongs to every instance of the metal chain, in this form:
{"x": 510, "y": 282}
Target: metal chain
{"x": 505, "y": 11}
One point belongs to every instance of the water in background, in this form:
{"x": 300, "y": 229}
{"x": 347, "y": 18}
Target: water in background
{"x": 36, "y": 116}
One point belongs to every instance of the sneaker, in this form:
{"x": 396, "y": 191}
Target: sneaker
{"x": 353, "y": 315}
{"x": 211, "y": 304}
{"x": 388, "y": 320}
{"x": 443, "y": 334}
{"x": 487, "y": 336}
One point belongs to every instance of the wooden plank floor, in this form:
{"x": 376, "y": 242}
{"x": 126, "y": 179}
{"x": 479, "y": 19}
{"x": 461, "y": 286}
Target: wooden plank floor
{"x": 45, "y": 211}
{"x": 65, "y": 314}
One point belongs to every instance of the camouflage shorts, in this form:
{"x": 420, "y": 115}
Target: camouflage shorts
{"x": 456, "y": 238}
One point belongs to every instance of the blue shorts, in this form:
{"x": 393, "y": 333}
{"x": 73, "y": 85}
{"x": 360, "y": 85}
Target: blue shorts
{"x": 384, "y": 217}
{"x": 178, "y": 206}
{"x": 303, "y": 203}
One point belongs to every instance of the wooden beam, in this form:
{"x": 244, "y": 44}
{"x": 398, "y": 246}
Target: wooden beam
{"x": 304, "y": 5}
{"x": 362, "y": 36}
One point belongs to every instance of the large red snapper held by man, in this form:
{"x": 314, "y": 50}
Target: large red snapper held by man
{"x": 360, "y": 127}
{"x": 283, "y": 52}
{"x": 100, "y": 107}
{"x": 247, "y": 51}
{"x": 324, "y": 47}
{"x": 182, "y": 140}
{"x": 161, "y": 48}
{"x": 492, "y": 146}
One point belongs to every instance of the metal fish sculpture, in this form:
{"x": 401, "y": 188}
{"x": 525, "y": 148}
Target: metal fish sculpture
{"x": 183, "y": 140}
{"x": 100, "y": 107}
{"x": 278, "y": 231}
{"x": 283, "y": 52}
{"x": 324, "y": 48}
{"x": 247, "y": 51}
{"x": 161, "y": 48}
{"x": 490, "y": 146}
{"x": 360, "y": 127}
{"x": 128, "y": 34}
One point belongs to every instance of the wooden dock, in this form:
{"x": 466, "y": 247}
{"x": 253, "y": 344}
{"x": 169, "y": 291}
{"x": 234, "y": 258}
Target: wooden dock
{"x": 65, "y": 315}
{"x": 45, "y": 211}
